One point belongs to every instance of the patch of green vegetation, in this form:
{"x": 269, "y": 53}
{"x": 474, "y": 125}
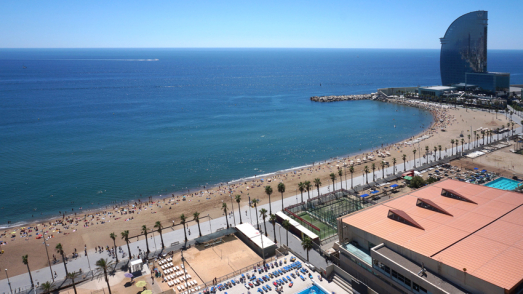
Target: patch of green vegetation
{"x": 325, "y": 230}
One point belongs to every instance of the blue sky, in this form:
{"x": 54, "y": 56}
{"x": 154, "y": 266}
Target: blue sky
{"x": 288, "y": 24}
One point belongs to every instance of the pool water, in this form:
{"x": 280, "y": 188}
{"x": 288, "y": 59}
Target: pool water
{"x": 504, "y": 184}
{"x": 313, "y": 290}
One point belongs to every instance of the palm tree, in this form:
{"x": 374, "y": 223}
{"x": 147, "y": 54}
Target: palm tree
{"x": 272, "y": 219}
{"x": 439, "y": 149}
{"x": 414, "y": 151}
{"x": 255, "y": 202}
{"x": 317, "y": 183}
{"x": 25, "y": 260}
{"x": 462, "y": 142}
{"x": 333, "y": 178}
{"x": 224, "y": 207}
{"x": 196, "y": 218}
{"x": 394, "y": 165}
{"x": 60, "y": 250}
{"x": 382, "y": 169}
{"x": 268, "y": 191}
{"x": 263, "y": 212}
{"x": 308, "y": 187}
{"x": 144, "y": 231}
{"x": 483, "y": 134}
{"x": 287, "y": 225}
{"x": 113, "y": 236}
{"x": 125, "y": 236}
{"x": 351, "y": 170}
{"x": 435, "y": 150}
{"x": 301, "y": 187}
{"x": 373, "y": 166}
{"x": 281, "y": 189}
{"x": 159, "y": 227}
{"x": 404, "y": 157}
{"x": 468, "y": 145}
{"x": 238, "y": 199}
{"x": 366, "y": 172}
{"x": 47, "y": 287}
{"x": 307, "y": 245}
{"x": 183, "y": 220}
{"x": 102, "y": 266}
{"x": 340, "y": 173}
{"x": 72, "y": 276}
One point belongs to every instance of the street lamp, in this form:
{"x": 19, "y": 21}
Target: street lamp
{"x": 279, "y": 233}
{"x": 232, "y": 208}
{"x": 48, "y": 260}
{"x": 210, "y": 227}
{"x": 9, "y": 282}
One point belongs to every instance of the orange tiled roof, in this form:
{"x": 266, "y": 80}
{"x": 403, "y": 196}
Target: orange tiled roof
{"x": 485, "y": 238}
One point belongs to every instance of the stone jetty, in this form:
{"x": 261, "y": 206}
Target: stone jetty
{"x": 343, "y": 98}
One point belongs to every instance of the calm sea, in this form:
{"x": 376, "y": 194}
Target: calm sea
{"x": 89, "y": 127}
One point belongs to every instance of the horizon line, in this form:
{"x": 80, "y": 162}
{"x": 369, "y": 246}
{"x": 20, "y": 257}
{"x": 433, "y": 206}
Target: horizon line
{"x": 339, "y": 48}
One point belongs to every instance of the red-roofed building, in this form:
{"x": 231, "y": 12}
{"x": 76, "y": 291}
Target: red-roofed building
{"x": 468, "y": 239}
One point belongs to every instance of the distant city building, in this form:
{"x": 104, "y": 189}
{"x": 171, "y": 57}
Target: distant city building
{"x": 464, "y": 48}
{"x": 449, "y": 237}
{"x": 435, "y": 91}
{"x": 463, "y": 57}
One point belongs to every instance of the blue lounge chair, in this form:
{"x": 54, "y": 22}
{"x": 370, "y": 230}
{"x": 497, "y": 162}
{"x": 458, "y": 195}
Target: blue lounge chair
{"x": 302, "y": 277}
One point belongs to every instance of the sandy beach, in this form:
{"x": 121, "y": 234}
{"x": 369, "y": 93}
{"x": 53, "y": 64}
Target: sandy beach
{"x": 75, "y": 232}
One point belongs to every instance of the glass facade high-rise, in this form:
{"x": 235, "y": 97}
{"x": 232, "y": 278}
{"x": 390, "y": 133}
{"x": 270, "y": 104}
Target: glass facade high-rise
{"x": 464, "y": 48}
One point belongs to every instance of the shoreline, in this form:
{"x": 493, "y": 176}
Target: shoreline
{"x": 174, "y": 194}
{"x": 93, "y": 229}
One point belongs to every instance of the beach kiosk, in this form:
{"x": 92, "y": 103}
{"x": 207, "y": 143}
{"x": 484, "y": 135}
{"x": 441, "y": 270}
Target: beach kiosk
{"x": 136, "y": 265}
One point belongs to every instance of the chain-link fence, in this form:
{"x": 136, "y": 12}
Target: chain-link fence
{"x": 319, "y": 214}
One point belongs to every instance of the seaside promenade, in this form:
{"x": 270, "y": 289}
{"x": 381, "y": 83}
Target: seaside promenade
{"x": 86, "y": 263}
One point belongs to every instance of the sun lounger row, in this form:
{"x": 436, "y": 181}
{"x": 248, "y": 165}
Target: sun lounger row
{"x": 188, "y": 285}
{"x": 191, "y": 290}
{"x": 165, "y": 260}
{"x": 173, "y": 276}
{"x": 168, "y": 265}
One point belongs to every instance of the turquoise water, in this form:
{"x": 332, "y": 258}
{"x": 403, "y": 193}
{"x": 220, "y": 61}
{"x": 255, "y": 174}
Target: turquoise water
{"x": 312, "y": 290}
{"x": 504, "y": 184}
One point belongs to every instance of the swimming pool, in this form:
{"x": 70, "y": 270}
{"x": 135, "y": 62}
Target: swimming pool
{"x": 504, "y": 184}
{"x": 314, "y": 289}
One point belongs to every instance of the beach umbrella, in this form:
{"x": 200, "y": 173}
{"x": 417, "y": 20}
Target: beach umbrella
{"x": 147, "y": 292}
{"x": 394, "y": 186}
{"x": 375, "y": 191}
{"x": 129, "y": 275}
{"x": 364, "y": 195}
{"x": 141, "y": 284}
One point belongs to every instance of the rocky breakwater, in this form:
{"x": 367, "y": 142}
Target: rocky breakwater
{"x": 343, "y": 98}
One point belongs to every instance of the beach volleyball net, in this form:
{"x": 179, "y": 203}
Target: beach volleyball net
{"x": 320, "y": 214}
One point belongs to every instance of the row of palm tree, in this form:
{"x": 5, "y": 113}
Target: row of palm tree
{"x": 102, "y": 265}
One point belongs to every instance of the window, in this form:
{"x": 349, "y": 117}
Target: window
{"x": 405, "y": 282}
{"x": 455, "y": 195}
{"x": 381, "y": 266}
{"x": 415, "y": 286}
